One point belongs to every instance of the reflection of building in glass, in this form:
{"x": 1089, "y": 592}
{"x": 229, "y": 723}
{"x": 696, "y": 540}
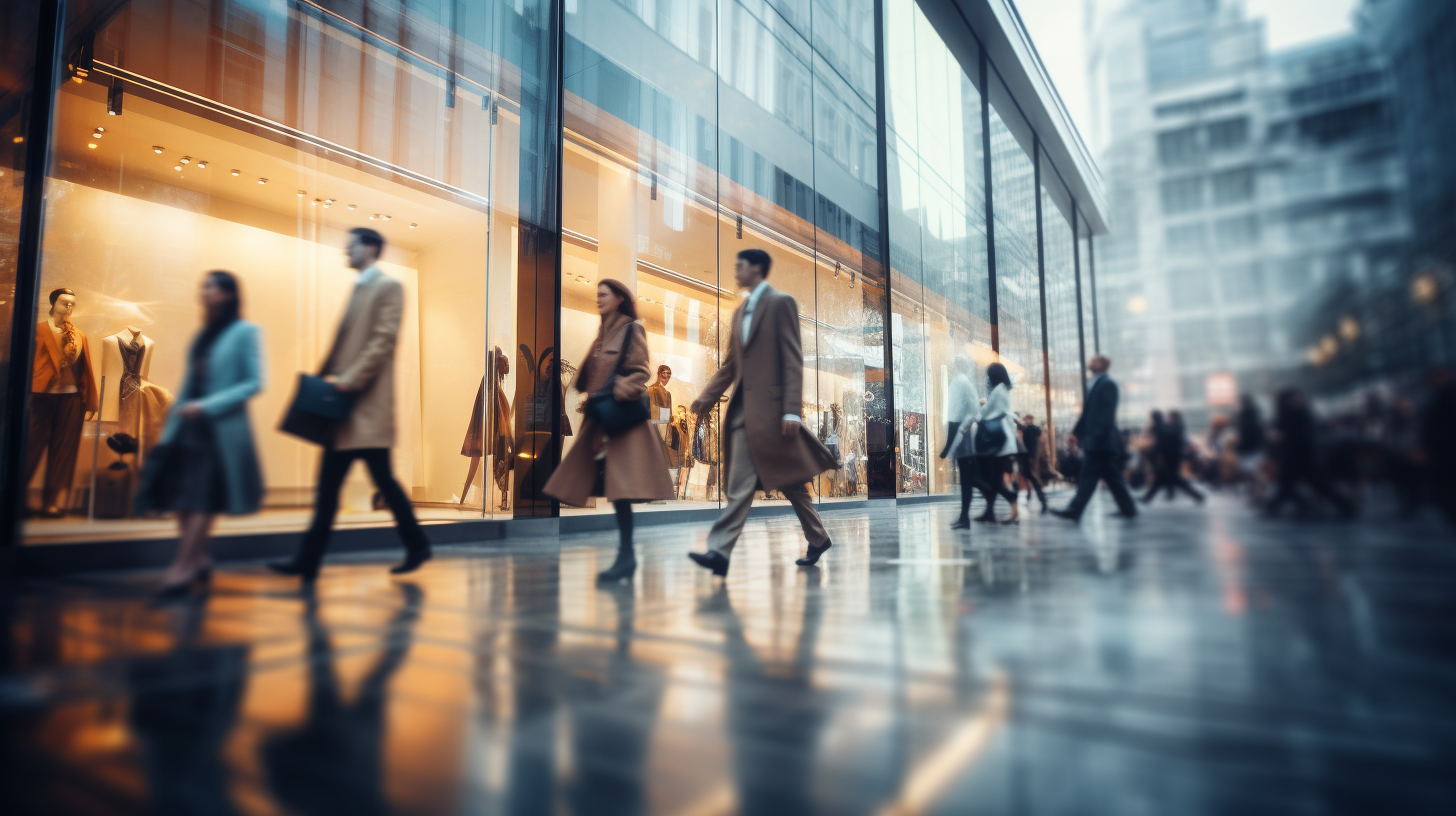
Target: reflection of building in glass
{"x": 1249, "y": 187}
{"x": 514, "y": 154}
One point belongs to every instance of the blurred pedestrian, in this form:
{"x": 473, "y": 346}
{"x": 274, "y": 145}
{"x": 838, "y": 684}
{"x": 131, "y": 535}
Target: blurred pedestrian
{"x": 205, "y": 462}
{"x": 1438, "y": 439}
{"x": 766, "y": 446}
{"x": 1170, "y": 442}
{"x": 361, "y": 364}
{"x": 995, "y": 442}
{"x": 1298, "y": 456}
{"x": 963, "y": 411}
{"x": 1249, "y": 443}
{"x": 1103, "y": 452}
{"x": 630, "y": 466}
{"x": 1028, "y": 461}
{"x": 1404, "y": 463}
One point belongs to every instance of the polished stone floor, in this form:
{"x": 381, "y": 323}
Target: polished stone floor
{"x": 1197, "y": 661}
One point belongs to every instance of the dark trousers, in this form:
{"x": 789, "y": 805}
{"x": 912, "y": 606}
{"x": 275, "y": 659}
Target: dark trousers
{"x": 1102, "y": 466}
{"x": 1026, "y": 463}
{"x": 333, "y": 468}
{"x": 970, "y": 483}
{"x": 55, "y": 430}
{"x": 1293, "y": 472}
{"x": 993, "y": 480}
{"x": 1170, "y": 478}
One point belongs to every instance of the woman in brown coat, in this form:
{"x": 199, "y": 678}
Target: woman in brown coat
{"x": 632, "y": 466}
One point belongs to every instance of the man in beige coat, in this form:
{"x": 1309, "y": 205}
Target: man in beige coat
{"x": 766, "y": 446}
{"x": 361, "y": 363}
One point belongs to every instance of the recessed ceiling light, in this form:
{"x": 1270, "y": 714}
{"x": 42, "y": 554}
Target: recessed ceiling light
{"x": 96, "y": 135}
{"x": 157, "y": 148}
{"x": 91, "y": 145}
{"x": 327, "y": 205}
{"x": 176, "y": 167}
{"x": 302, "y": 193}
{"x": 414, "y": 226}
{"x": 328, "y": 201}
{"x": 18, "y": 139}
{"x": 316, "y": 202}
{"x": 262, "y": 181}
{"x": 374, "y": 216}
{"x": 201, "y": 165}
{"x": 185, "y": 160}
{"x": 237, "y": 173}
{"x": 100, "y": 129}
{"x": 385, "y": 217}
{"x": 353, "y": 206}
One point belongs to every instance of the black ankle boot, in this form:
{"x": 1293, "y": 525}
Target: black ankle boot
{"x": 621, "y": 569}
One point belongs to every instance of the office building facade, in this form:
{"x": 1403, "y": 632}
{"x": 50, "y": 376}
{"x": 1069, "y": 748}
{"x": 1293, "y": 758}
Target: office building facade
{"x": 908, "y": 165}
{"x": 1251, "y": 191}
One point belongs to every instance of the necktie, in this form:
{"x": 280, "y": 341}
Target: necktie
{"x": 747, "y": 317}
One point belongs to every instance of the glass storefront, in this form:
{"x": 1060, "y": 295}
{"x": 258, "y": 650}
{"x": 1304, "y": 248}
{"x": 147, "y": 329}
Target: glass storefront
{"x": 513, "y": 154}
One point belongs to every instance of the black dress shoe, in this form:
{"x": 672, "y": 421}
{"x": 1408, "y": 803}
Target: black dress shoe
{"x": 812, "y": 557}
{"x": 711, "y": 560}
{"x": 412, "y": 561}
{"x": 1122, "y": 515}
{"x": 987, "y": 517}
{"x": 961, "y": 524}
{"x": 308, "y": 573}
{"x": 1066, "y": 514}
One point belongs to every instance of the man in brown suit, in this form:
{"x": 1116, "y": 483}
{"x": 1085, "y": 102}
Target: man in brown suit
{"x": 362, "y": 363}
{"x": 62, "y": 396}
{"x": 766, "y": 446}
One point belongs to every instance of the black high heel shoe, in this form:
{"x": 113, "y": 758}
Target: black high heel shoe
{"x": 621, "y": 570}
{"x": 202, "y": 579}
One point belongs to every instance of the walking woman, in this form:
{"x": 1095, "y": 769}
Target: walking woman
{"x": 205, "y": 462}
{"x": 996, "y": 443}
{"x": 632, "y": 466}
{"x": 962, "y": 413}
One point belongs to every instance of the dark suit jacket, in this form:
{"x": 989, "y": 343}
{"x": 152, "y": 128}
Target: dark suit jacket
{"x": 1096, "y": 428}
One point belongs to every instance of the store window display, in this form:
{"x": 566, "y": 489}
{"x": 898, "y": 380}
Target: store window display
{"x": 62, "y": 396}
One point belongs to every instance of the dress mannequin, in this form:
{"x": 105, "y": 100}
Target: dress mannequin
{"x": 500, "y": 430}
{"x": 62, "y": 396}
{"x": 126, "y": 360}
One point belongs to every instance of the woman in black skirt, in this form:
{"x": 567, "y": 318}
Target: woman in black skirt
{"x": 205, "y": 462}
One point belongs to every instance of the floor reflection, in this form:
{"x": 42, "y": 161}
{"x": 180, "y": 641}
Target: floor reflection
{"x": 1196, "y": 661}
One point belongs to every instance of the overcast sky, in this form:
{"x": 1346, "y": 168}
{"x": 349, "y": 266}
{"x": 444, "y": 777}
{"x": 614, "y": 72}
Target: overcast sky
{"x": 1056, "y": 27}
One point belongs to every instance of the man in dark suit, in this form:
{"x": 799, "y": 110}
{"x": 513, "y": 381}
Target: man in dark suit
{"x": 1096, "y": 433}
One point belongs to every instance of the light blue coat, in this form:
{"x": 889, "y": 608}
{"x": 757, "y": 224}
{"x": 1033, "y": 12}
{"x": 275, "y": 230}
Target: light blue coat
{"x": 234, "y": 375}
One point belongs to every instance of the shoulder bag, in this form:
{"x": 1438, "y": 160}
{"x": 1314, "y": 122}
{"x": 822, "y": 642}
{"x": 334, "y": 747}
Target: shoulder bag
{"x": 316, "y": 410}
{"x": 611, "y": 414}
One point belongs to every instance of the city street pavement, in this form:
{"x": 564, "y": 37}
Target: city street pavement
{"x": 1196, "y": 661}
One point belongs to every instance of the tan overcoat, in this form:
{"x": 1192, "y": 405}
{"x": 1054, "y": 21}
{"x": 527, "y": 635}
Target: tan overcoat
{"x": 636, "y": 463}
{"x": 767, "y": 376}
{"x": 363, "y": 357}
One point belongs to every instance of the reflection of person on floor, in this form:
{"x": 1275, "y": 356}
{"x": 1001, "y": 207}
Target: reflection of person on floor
{"x": 184, "y": 707}
{"x": 333, "y": 761}
{"x": 206, "y": 463}
{"x": 776, "y": 717}
{"x": 767, "y": 446}
{"x": 62, "y": 396}
{"x": 361, "y": 362}
{"x": 614, "y": 713}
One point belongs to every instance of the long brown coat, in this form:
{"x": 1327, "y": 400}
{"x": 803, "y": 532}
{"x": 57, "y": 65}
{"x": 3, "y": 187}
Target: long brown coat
{"x": 636, "y": 466}
{"x": 767, "y": 375}
{"x": 363, "y": 357}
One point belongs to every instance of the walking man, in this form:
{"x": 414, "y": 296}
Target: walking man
{"x": 766, "y": 446}
{"x": 361, "y": 363}
{"x": 1096, "y": 433}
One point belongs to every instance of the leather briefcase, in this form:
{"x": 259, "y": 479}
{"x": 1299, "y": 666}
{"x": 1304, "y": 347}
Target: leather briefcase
{"x": 316, "y": 410}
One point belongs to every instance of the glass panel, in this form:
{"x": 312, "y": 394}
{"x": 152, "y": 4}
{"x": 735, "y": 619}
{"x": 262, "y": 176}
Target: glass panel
{"x": 1065, "y": 376}
{"x": 1018, "y": 296}
{"x": 252, "y": 139}
{"x": 19, "y": 24}
{"x": 938, "y": 238}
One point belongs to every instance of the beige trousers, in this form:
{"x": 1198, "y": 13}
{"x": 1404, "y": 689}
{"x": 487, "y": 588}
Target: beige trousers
{"x": 742, "y": 479}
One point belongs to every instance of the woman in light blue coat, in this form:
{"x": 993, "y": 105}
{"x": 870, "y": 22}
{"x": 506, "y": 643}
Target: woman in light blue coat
{"x": 205, "y": 462}
{"x": 996, "y": 456}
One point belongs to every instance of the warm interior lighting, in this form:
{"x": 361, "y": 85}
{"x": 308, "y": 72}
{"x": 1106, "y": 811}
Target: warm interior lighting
{"x": 352, "y": 206}
{"x": 302, "y": 193}
{"x": 100, "y": 130}
{"x": 18, "y": 139}
{"x": 414, "y": 226}
{"x": 1349, "y": 328}
{"x": 97, "y": 135}
{"x": 316, "y": 202}
{"x": 201, "y": 165}
{"x": 185, "y": 160}
{"x": 1137, "y": 304}
{"x": 91, "y": 145}
{"x": 262, "y": 181}
{"x": 237, "y": 173}
{"x": 176, "y": 167}
{"x": 385, "y": 217}
{"x": 156, "y": 148}
{"x": 1424, "y": 288}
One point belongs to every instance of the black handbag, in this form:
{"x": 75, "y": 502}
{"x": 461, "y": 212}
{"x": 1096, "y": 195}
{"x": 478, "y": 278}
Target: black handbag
{"x": 316, "y": 410}
{"x": 990, "y": 436}
{"x": 612, "y": 415}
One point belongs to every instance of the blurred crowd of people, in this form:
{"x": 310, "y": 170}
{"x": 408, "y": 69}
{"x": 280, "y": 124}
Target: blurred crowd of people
{"x": 1403, "y": 447}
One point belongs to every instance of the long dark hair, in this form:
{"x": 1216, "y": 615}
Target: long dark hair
{"x": 221, "y": 316}
{"x": 996, "y": 374}
{"x": 628, "y": 306}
